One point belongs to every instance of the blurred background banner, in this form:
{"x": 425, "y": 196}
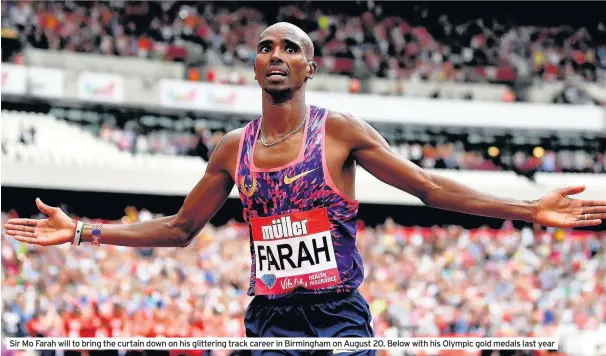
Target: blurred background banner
{"x": 14, "y": 79}
{"x": 33, "y": 81}
{"x": 100, "y": 87}
{"x": 111, "y": 110}
{"x": 246, "y": 100}
{"x": 45, "y": 82}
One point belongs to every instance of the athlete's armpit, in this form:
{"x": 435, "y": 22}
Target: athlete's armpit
{"x": 373, "y": 153}
{"x": 207, "y": 197}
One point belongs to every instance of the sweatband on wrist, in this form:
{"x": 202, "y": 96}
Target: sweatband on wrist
{"x": 78, "y": 233}
{"x": 74, "y": 231}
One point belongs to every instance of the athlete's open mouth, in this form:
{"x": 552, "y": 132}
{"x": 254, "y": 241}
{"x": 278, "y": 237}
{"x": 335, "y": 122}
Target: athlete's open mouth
{"x": 277, "y": 74}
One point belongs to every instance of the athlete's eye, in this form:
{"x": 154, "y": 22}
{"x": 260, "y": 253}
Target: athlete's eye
{"x": 291, "y": 49}
{"x": 265, "y": 49}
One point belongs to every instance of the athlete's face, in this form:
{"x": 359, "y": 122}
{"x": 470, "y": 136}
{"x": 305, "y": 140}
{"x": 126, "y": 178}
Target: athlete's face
{"x": 282, "y": 61}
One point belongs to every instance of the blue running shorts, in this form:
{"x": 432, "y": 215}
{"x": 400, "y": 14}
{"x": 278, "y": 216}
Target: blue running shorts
{"x": 334, "y": 315}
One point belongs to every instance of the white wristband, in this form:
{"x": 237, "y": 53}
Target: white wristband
{"x": 78, "y": 233}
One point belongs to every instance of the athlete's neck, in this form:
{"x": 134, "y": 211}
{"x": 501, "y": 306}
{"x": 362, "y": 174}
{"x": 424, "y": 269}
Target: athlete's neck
{"x": 280, "y": 118}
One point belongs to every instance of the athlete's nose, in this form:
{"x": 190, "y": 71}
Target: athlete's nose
{"x": 276, "y": 56}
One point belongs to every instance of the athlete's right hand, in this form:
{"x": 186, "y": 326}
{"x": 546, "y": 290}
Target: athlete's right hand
{"x": 56, "y": 230}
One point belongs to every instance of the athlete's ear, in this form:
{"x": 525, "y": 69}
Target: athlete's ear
{"x": 255, "y": 68}
{"x": 311, "y": 70}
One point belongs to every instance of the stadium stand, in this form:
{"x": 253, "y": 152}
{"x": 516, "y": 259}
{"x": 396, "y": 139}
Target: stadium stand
{"x": 423, "y": 44}
{"x": 42, "y": 139}
{"x": 427, "y": 48}
{"x": 525, "y": 152}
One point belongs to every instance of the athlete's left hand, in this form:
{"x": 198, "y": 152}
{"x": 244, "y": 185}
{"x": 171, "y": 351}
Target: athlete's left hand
{"x": 556, "y": 209}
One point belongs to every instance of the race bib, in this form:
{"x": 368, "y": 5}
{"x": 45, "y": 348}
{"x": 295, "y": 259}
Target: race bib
{"x": 294, "y": 250}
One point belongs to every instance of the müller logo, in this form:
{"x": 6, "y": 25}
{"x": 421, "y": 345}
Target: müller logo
{"x": 188, "y": 97}
{"x": 218, "y": 99}
{"x": 102, "y": 89}
{"x": 284, "y": 227}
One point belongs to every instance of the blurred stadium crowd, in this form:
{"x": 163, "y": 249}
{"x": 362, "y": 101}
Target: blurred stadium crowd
{"x": 430, "y": 152}
{"x": 424, "y": 45}
{"x": 524, "y": 152}
{"x": 436, "y": 281}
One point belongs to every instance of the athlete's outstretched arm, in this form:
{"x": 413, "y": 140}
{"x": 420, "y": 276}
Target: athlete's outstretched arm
{"x": 373, "y": 153}
{"x": 178, "y": 230}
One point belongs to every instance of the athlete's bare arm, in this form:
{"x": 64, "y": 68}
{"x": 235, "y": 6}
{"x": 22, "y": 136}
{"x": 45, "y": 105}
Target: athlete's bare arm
{"x": 366, "y": 146}
{"x": 178, "y": 230}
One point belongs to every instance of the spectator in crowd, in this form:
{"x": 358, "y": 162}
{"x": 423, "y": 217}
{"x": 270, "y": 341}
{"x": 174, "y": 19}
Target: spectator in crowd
{"x": 27, "y": 135}
{"x": 201, "y": 148}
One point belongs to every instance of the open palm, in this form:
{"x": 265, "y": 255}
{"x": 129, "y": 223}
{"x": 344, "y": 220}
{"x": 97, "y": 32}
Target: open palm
{"x": 57, "y": 229}
{"x": 556, "y": 209}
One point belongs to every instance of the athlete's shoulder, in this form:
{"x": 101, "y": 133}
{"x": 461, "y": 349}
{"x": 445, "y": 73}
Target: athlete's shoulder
{"x": 346, "y": 127}
{"x": 231, "y": 141}
{"x": 339, "y": 121}
{"x": 225, "y": 153}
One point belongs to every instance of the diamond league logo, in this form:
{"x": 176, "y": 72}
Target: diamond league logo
{"x": 269, "y": 280}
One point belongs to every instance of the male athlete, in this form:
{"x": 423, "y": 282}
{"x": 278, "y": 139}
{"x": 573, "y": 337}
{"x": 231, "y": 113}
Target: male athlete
{"x": 295, "y": 170}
